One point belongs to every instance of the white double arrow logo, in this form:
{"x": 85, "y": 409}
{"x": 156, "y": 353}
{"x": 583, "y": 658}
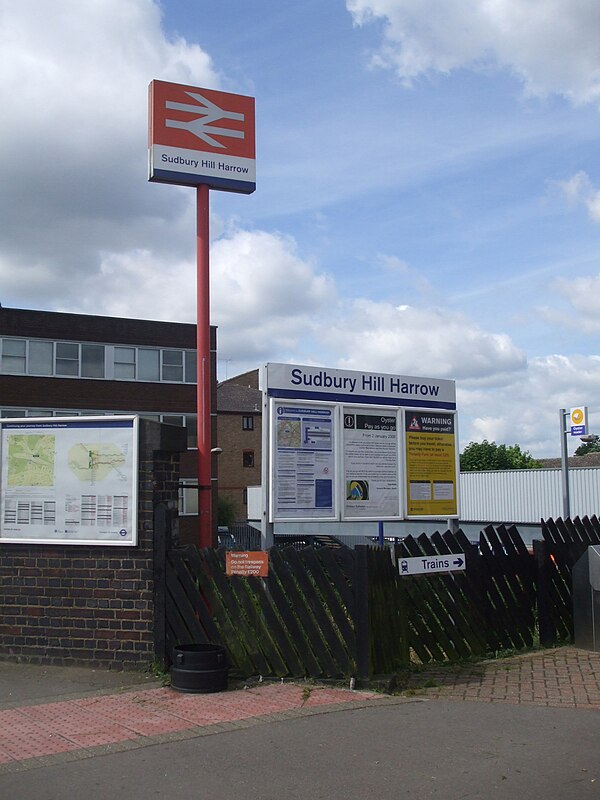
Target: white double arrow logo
{"x": 206, "y": 113}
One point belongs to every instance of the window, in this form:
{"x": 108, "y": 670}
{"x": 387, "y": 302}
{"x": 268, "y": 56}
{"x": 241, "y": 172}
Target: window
{"x": 191, "y": 362}
{"x": 191, "y": 423}
{"x": 41, "y": 358}
{"x": 83, "y": 360}
{"x": 247, "y": 423}
{"x": 172, "y": 366}
{"x": 245, "y": 496}
{"x": 13, "y": 356}
{"x": 67, "y": 358}
{"x": 188, "y": 498}
{"x": 92, "y": 361}
{"x": 148, "y": 365}
{"x": 124, "y": 365}
{"x": 172, "y": 419}
{"x": 248, "y": 458}
{"x": 70, "y": 355}
{"x": 13, "y": 412}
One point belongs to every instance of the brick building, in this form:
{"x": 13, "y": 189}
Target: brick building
{"x": 59, "y": 364}
{"x": 239, "y": 433}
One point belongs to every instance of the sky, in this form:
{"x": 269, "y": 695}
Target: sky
{"x": 427, "y": 201}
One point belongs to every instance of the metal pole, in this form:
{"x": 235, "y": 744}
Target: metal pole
{"x": 267, "y": 528}
{"x": 564, "y": 464}
{"x": 205, "y": 534}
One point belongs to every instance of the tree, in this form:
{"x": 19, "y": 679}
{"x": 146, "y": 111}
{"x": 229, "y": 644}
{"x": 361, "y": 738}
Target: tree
{"x": 588, "y": 447}
{"x": 226, "y": 511}
{"x": 478, "y": 456}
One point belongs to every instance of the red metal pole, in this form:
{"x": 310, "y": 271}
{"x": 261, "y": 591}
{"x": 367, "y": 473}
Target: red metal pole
{"x": 203, "y": 345}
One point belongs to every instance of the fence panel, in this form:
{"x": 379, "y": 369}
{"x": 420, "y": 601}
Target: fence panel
{"x": 298, "y": 621}
{"x": 333, "y": 612}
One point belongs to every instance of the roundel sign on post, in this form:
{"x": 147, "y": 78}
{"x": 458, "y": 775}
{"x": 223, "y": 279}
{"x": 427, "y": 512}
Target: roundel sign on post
{"x": 579, "y": 422}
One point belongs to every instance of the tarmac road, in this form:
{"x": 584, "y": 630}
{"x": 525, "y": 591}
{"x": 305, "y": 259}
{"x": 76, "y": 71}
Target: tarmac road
{"x": 407, "y": 748}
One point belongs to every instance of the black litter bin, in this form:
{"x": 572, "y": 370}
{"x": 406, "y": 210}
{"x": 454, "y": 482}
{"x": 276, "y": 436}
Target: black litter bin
{"x": 200, "y": 668}
{"x": 586, "y": 599}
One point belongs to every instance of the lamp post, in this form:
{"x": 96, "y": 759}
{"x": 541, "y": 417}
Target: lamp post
{"x": 587, "y": 439}
{"x": 564, "y": 458}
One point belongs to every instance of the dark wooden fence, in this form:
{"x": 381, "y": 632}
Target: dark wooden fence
{"x": 298, "y": 621}
{"x": 334, "y": 612}
{"x": 488, "y": 607}
{"x": 565, "y": 541}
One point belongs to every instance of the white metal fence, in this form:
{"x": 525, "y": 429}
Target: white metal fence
{"x": 527, "y": 495}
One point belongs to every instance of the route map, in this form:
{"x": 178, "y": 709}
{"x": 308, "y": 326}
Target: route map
{"x": 70, "y": 480}
{"x": 31, "y": 460}
{"x": 93, "y": 462}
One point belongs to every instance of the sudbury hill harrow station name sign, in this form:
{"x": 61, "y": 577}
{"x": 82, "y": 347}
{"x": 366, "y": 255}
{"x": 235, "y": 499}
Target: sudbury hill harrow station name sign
{"x": 364, "y": 383}
{"x": 287, "y": 380}
{"x": 348, "y": 445}
{"x": 201, "y": 136}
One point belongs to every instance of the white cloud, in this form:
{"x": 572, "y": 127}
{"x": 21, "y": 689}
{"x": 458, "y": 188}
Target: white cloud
{"x": 419, "y": 341}
{"x": 583, "y": 295}
{"x": 579, "y": 189}
{"x": 73, "y": 141}
{"x": 551, "y": 46}
{"x": 265, "y": 297}
{"x": 397, "y": 267}
{"x": 526, "y": 411}
{"x": 142, "y": 285}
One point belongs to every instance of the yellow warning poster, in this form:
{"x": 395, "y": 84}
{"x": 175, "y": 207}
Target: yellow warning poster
{"x": 431, "y": 480}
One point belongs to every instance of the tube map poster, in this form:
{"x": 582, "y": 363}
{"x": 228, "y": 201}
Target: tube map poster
{"x": 69, "y": 480}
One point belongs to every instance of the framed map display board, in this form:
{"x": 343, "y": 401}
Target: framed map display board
{"x": 69, "y": 480}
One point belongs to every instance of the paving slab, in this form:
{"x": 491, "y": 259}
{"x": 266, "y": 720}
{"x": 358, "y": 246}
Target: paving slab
{"x": 28, "y": 684}
{"x": 564, "y": 677}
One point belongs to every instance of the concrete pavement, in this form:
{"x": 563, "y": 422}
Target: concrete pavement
{"x": 509, "y": 728}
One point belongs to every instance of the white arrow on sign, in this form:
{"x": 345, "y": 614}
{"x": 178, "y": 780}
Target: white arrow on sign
{"x": 206, "y": 112}
{"x": 428, "y": 565}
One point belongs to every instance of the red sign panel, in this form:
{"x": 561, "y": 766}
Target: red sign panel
{"x": 201, "y": 136}
{"x": 248, "y": 564}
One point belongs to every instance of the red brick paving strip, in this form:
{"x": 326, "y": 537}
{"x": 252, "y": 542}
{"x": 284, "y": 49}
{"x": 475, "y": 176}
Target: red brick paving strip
{"x": 51, "y": 729}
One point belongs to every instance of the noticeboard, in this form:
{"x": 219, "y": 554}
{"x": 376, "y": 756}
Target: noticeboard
{"x": 342, "y": 445}
{"x": 431, "y": 475}
{"x": 69, "y": 480}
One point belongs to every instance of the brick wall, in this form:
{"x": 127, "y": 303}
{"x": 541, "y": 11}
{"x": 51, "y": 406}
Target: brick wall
{"x": 234, "y": 477}
{"x": 75, "y": 604}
